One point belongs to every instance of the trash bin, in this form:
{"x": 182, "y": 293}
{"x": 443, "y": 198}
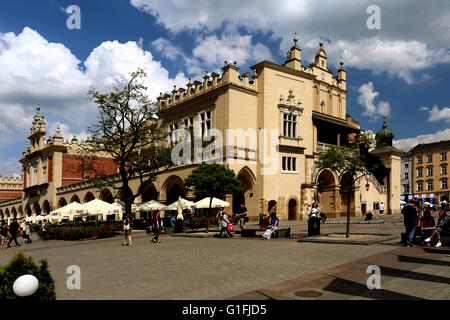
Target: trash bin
{"x": 261, "y": 217}
{"x": 313, "y": 226}
{"x": 178, "y": 226}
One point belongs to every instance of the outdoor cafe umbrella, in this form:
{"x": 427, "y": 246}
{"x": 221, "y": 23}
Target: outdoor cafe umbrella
{"x": 97, "y": 207}
{"x": 216, "y": 203}
{"x": 67, "y": 208}
{"x": 185, "y": 204}
{"x": 151, "y": 205}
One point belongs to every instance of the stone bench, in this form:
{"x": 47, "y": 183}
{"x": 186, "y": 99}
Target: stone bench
{"x": 279, "y": 233}
{"x": 445, "y": 239}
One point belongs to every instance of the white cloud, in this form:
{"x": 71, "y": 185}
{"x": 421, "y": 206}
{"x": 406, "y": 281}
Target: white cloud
{"x": 210, "y": 52}
{"x": 35, "y": 71}
{"x": 408, "y": 143}
{"x": 399, "y": 51}
{"x": 436, "y": 114}
{"x": 367, "y": 99}
{"x": 10, "y": 168}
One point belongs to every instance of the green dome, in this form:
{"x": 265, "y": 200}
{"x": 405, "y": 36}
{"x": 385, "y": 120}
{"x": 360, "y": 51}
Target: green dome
{"x": 384, "y": 136}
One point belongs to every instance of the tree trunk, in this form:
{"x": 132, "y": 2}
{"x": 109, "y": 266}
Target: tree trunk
{"x": 349, "y": 192}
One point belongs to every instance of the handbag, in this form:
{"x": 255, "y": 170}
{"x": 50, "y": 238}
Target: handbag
{"x": 230, "y": 227}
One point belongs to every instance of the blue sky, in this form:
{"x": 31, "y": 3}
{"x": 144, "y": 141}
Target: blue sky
{"x": 402, "y": 69}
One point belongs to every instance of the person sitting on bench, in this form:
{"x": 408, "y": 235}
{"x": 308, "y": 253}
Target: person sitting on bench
{"x": 441, "y": 227}
{"x": 274, "y": 222}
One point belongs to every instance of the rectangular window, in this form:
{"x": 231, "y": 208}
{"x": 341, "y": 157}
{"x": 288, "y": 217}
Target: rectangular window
{"x": 376, "y": 206}
{"x": 444, "y": 156}
{"x": 419, "y": 160}
{"x": 419, "y": 172}
{"x": 444, "y": 184}
{"x": 420, "y": 186}
{"x": 205, "y": 123}
{"x": 289, "y": 164}
{"x": 174, "y": 135}
{"x": 406, "y": 175}
{"x": 444, "y": 169}
{"x": 406, "y": 165}
{"x": 430, "y": 158}
{"x": 429, "y": 171}
{"x": 430, "y": 185}
{"x": 289, "y": 125}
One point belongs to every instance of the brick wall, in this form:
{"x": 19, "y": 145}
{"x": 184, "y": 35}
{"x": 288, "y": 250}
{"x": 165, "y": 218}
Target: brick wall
{"x": 73, "y": 168}
{"x": 8, "y": 195}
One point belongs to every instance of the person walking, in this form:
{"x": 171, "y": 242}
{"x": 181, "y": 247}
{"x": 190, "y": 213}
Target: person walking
{"x": 4, "y": 234}
{"x": 23, "y": 225}
{"x": 156, "y": 227}
{"x": 381, "y": 208}
{"x": 127, "y": 232}
{"x": 13, "y": 230}
{"x": 224, "y": 222}
{"x": 45, "y": 227}
{"x": 274, "y": 223}
{"x": 426, "y": 226}
{"x": 442, "y": 226}
{"x": 410, "y": 216}
{"x": 242, "y": 214}
{"x": 308, "y": 210}
{"x": 27, "y": 233}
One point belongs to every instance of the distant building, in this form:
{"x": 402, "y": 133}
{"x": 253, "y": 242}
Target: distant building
{"x": 407, "y": 174}
{"x": 430, "y": 171}
{"x": 10, "y": 188}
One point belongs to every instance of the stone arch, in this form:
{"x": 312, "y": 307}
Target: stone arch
{"x": 327, "y": 184}
{"x": 272, "y": 206}
{"x": 28, "y": 211}
{"x": 1, "y": 214}
{"x": 75, "y": 198}
{"x": 37, "y": 209}
{"x": 106, "y": 195}
{"x": 128, "y": 193}
{"x": 20, "y": 212}
{"x": 13, "y": 212}
{"x": 149, "y": 192}
{"x": 7, "y": 213}
{"x": 62, "y": 202}
{"x": 88, "y": 197}
{"x": 174, "y": 188}
{"x": 292, "y": 208}
{"x": 248, "y": 181}
{"x": 46, "y": 207}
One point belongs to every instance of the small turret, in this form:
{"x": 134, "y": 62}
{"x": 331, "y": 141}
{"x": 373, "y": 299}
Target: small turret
{"x": 294, "y": 56}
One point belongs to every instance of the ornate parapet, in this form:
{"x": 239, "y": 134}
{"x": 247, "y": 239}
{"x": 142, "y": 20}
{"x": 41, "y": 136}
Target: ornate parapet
{"x": 210, "y": 82}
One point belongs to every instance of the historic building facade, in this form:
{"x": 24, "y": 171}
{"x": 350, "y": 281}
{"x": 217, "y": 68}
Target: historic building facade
{"x": 430, "y": 171}
{"x": 10, "y": 188}
{"x": 274, "y": 124}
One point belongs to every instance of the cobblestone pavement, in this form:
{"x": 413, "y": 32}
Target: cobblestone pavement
{"x": 186, "y": 268}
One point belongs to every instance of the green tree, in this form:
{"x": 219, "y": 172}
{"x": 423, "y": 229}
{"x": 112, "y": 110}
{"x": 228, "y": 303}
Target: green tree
{"x": 346, "y": 160}
{"x": 21, "y": 265}
{"x": 127, "y": 129}
{"x": 213, "y": 180}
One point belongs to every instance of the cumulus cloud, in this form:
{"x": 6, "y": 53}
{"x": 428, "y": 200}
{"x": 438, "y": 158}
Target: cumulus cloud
{"x": 372, "y": 109}
{"x": 10, "y": 168}
{"x": 398, "y": 51}
{"x": 408, "y": 143}
{"x": 437, "y": 114}
{"x": 36, "y": 71}
{"x": 211, "y": 51}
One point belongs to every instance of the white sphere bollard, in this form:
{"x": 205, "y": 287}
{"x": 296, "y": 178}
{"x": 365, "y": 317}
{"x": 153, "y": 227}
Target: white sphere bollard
{"x": 25, "y": 285}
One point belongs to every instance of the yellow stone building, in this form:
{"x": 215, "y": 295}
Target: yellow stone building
{"x": 274, "y": 124}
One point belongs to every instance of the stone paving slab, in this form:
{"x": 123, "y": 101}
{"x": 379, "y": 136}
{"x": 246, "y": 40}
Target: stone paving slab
{"x": 406, "y": 273}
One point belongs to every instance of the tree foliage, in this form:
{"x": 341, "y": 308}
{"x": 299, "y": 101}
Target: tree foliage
{"x": 127, "y": 130}
{"x": 19, "y": 266}
{"x": 213, "y": 180}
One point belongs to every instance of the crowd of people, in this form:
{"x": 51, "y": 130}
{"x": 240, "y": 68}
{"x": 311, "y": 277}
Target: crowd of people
{"x": 418, "y": 218}
{"x": 9, "y": 233}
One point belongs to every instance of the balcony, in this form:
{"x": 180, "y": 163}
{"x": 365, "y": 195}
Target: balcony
{"x": 322, "y": 147}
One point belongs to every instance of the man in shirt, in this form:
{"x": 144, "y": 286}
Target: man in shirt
{"x": 13, "y": 230}
{"x": 411, "y": 216}
{"x": 242, "y": 214}
{"x": 381, "y": 208}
